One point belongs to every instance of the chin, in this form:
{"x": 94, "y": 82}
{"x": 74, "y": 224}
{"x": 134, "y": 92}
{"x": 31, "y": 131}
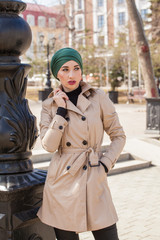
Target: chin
{"x": 68, "y": 87}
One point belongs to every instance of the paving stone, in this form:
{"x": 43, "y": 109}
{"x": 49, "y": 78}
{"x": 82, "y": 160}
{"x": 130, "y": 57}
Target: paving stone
{"x": 86, "y": 236}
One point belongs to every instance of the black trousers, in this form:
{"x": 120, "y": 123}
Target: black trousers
{"x": 108, "y": 233}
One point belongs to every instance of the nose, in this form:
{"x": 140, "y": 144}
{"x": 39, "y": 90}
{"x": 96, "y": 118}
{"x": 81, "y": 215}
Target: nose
{"x": 71, "y": 74}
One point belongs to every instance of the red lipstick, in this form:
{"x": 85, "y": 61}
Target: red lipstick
{"x": 71, "y": 82}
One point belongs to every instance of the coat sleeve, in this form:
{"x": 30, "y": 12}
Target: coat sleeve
{"x": 51, "y": 127}
{"x": 115, "y": 131}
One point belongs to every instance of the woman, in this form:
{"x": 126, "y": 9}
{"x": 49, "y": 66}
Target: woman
{"x": 76, "y": 194}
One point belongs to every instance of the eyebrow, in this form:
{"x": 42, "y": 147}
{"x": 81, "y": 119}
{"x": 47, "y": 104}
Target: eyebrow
{"x": 68, "y": 67}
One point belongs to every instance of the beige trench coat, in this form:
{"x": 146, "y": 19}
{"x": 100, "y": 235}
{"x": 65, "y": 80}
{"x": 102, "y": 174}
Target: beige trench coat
{"x": 76, "y": 195}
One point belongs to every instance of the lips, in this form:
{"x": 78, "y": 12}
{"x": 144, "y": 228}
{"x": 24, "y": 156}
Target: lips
{"x": 71, "y": 82}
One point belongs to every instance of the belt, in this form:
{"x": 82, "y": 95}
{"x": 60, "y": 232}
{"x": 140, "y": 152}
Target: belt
{"x": 85, "y": 154}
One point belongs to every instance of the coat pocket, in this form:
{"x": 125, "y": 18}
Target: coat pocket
{"x": 102, "y": 173}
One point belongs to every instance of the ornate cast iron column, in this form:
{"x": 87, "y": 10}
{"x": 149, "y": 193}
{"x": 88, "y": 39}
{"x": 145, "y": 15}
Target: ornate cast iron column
{"x": 20, "y": 186}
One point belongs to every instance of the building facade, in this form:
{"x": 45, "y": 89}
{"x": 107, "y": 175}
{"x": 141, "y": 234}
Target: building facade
{"x": 98, "y": 22}
{"x": 79, "y": 22}
{"x": 91, "y": 22}
{"x": 121, "y": 18}
{"x": 82, "y": 23}
{"x": 48, "y": 27}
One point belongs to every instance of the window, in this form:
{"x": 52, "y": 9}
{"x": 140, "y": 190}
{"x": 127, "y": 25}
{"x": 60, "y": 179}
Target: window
{"x": 40, "y": 38}
{"x": 144, "y": 13}
{"x": 121, "y": 18}
{"x": 101, "y": 41}
{"x": 80, "y": 26}
{"x": 79, "y": 4}
{"x": 52, "y": 23}
{"x": 80, "y": 42}
{"x": 40, "y": 43}
{"x": 79, "y": 22}
{"x": 120, "y": 1}
{"x": 100, "y": 21}
{"x": 100, "y": 3}
{"x": 30, "y": 20}
{"x": 41, "y": 21}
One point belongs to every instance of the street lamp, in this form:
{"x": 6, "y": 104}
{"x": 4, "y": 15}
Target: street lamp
{"x": 48, "y": 73}
{"x": 43, "y": 94}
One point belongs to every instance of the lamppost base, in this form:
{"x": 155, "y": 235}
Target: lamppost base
{"x": 20, "y": 199}
{"x": 43, "y": 94}
{"x": 153, "y": 116}
{"x": 113, "y": 95}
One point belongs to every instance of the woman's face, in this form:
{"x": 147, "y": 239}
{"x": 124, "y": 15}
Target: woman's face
{"x": 70, "y": 75}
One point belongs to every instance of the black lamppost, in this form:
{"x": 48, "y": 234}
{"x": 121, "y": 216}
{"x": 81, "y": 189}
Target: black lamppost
{"x": 43, "y": 94}
{"x": 21, "y": 186}
{"x": 48, "y": 73}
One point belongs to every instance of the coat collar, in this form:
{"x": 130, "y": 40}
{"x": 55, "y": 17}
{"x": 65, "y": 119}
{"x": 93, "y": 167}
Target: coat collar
{"x": 83, "y": 101}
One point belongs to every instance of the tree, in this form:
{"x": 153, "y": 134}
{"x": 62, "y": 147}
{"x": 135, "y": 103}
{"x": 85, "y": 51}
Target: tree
{"x": 142, "y": 50}
{"x": 155, "y": 21}
{"x": 154, "y": 33}
{"x": 69, "y": 15}
{"x": 155, "y": 52}
{"x": 93, "y": 64}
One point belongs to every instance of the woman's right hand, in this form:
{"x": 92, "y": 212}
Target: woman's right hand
{"x": 60, "y": 97}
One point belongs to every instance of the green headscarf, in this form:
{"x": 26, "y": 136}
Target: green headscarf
{"x": 62, "y": 56}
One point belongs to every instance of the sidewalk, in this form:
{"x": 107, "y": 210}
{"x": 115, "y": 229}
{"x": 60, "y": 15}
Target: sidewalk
{"x": 136, "y": 194}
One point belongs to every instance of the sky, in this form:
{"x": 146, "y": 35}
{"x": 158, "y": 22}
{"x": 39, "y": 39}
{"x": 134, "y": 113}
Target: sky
{"x": 43, "y": 2}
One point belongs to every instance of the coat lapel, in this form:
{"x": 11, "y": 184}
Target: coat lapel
{"x": 70, "y": 106}
{"x": 83, "y": 101}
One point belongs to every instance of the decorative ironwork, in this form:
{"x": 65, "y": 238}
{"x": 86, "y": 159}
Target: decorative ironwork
{"x": 14, "y": 6}
{"x": 153, "y": 115}
{"x": 19, "y": 117}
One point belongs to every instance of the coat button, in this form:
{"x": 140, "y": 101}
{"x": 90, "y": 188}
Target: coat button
{"x": 84, "y": 167}
{"x": 68, "y": 144}
{"x": 68, "y": 167}
{"x": 83, "y": 118}
{"x": 85, "y": 142}
{"x": 60, "y": 127}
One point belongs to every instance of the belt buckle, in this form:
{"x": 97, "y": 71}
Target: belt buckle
{"x": 94, "y": 165}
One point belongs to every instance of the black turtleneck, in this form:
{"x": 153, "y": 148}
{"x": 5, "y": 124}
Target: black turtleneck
{"x": 73, "y": 97}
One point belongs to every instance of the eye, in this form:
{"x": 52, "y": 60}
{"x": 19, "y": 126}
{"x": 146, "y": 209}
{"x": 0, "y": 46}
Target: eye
{"x": 76, "y": 68}
{"x": 64, "y": 69}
